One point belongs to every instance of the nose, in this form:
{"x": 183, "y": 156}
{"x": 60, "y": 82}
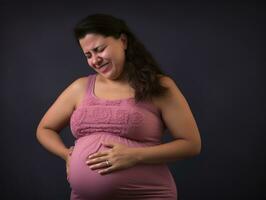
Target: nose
{"x": 96, "y": 61}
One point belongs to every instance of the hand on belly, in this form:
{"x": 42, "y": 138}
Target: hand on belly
{"x": 118, "y": 157}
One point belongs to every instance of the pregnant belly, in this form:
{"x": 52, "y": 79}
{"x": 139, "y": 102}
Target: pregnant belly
{"x": 92, "y": 185}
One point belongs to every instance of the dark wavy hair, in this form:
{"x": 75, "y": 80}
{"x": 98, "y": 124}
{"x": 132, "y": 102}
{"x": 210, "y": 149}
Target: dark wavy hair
{"x": 141, "y": 70}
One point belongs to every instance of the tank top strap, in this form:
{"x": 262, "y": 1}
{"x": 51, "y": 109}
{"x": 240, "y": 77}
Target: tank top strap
{"x": 88, "y": 93}
{"x": 90, "y": 85}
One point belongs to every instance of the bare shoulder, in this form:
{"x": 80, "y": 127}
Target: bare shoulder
{"x": 170, "y": 84}
{"x": 79, "y": 83}
{"x": 172, "y": 95}
{"x": 167, "y": 82}
{"x": 78, "y": 88}
{"x": 74, "y": 92}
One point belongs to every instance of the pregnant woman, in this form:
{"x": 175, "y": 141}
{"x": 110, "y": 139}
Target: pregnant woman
{"x": 118, "y": 116}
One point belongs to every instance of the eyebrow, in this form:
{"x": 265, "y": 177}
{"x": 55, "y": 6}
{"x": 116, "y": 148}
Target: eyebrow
{"x": 94, "y": 49}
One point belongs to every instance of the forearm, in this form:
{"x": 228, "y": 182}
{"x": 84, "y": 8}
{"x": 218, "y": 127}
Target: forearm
{"x": 168, "y": 152}
{"x": 51, "y": 141}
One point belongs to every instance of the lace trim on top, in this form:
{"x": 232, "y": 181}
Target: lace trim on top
{"x": 92, "y": 99}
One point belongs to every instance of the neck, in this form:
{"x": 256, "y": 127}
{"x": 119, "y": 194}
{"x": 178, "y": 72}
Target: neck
{"x": 119, "y": 80}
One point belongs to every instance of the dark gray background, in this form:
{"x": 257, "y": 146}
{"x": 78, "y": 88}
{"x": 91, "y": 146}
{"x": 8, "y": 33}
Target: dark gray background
{"x": 214, "y": 52}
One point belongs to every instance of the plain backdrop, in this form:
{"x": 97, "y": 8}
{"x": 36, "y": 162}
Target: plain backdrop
{"x": 213, "y": 51}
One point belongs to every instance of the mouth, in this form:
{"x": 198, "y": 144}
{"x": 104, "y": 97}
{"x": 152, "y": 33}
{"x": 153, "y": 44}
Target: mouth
{"x": 103, "y": 65}
{"x": 104, "y": 68}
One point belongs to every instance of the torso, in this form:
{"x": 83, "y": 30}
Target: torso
{"x": 124, "y": 122}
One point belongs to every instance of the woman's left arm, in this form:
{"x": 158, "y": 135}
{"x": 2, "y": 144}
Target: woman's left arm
{"x": 180, "y": 122}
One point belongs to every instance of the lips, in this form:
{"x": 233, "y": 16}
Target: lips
{"x": 104, "y": 68}
{"x": 103, "y": 65}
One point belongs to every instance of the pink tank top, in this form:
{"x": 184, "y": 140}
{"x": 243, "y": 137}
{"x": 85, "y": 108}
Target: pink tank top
{"x": 121, "y": 121}
{"x": 140, "y": 122}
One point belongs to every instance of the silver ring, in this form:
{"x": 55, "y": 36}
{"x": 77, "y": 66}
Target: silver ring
{"x": 107, "y": 163}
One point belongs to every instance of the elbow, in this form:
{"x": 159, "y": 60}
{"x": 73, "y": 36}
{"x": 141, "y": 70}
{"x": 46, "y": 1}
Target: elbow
{"x": 194, "y": 148}
{"x": 38, "y": 133}
{"x": 197, "y": 148}
{"x": 196, "y": 145}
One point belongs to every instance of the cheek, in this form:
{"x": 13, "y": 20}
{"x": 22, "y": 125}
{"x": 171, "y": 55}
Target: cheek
{"x": 88, "y": 61}
{"x": 116, "y": 57}
{"x": 106, "y": 55}
{"x": 120, "y": 57}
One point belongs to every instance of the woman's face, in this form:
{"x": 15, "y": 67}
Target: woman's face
{"x": 106, "y": 55}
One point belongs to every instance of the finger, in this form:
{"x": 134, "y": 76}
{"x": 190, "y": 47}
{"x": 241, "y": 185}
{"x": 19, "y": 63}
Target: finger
{"x": 96, "y": 160}
{"x": 67, "y": 170}
{"x": 70, "y": 150}
{"x": 99, "y": 154}
{"x": 107, "y": 170}
{"x": 99, "y": 166}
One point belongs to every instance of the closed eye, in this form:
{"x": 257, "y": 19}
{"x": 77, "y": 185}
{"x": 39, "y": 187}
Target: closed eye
{"x": 100, "y": 49}
{"x": 87, "y": 55}
{"x": 97, "y": 50}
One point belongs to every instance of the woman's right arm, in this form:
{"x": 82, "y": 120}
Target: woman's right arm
{"x": 57, "y": 117}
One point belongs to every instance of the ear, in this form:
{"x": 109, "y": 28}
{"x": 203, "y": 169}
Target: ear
{"x": 123, "y": 38}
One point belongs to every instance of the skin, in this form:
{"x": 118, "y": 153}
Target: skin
{"x": 100, "y": 50}
{"x": 175, "y": 111}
